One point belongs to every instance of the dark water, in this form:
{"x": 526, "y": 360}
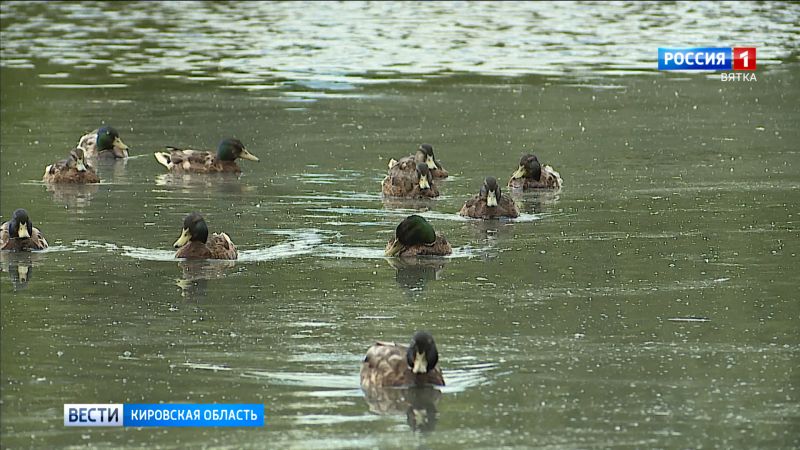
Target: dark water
{"x": 652, "y": 302}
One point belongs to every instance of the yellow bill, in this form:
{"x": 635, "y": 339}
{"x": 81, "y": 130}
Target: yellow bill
{"x": 22, "y": 232}
{"x": 247, "y": 155}
{"x": 519, "y": 173}
{"x": 430, "y": 162}
{"x": 423, "y": 183}
{"x": 491, "y": 199}
{"x": 420, "y": 364}
{"x": 185, "y": 236}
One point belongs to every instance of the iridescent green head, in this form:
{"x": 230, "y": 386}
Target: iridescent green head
{"x": 413, "y": 230}
{"x": 230, "y": 149}
{"x": 108, "y": 140}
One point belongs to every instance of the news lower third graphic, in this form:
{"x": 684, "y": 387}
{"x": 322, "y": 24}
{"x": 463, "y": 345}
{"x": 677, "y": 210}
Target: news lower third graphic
{"x": 163, "y": 415}
{"x": 740, "y": 60}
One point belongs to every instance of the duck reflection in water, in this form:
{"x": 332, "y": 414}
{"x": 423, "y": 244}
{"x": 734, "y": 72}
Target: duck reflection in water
{"x": 536, "y": 201}
{"x": 418, "y": 403}
{"x": 19, "y": 267}
{"x": 73, "y": 196}
{"x": 226, "y": 183}
{"x": 413, "y": 274}
{"x": 195, "y": 274}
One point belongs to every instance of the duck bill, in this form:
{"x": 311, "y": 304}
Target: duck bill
{"x": 394, "y": 248}
{"x": 185, "y": 236}
{"x": 430, "y": 162}
{"x": 423, "y": 183}
{"x": 519, "y": 173}
{"x": 22, "y": 233}
{"x": 81, "y": 166}
{"x": 420, "y": 364}
{"x": 247, "y": 155}
{"x": 491, "y": 199}
{"x": 120, "y": 149}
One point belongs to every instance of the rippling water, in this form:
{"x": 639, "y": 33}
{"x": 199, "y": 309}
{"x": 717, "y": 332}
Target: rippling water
{"x": 263, "y": 45}
{"x": 651, "y": 303}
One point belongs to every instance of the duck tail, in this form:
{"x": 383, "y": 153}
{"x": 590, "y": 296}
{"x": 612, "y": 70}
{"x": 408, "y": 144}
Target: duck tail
{"x": 164, "y": 159}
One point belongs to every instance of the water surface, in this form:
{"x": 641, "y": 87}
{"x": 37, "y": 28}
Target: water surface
{"x": 652, "y": 302}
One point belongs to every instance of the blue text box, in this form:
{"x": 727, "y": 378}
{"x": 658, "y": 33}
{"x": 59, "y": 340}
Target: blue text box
{"x": 697, "y": 58}
{"x": 193, "y": 415}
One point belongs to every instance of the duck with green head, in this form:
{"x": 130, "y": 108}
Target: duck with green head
{"x": 424, "y": 154}
{"x": 489, "y": 203}
{"x": 194, "y": 242}
{"x": 74, "y": 169}
{"x": 103, "y": 142}
{"x": 531, "y": 174}
{"x": 19, "y": 234}
{"x": 416, "y": 237}
{"x": 417, "y": 184}
{"x": 389, "y": 365}
{"x": 201, "y": 161}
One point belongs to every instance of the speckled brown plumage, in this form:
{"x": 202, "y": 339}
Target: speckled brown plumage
{"x": 68, "y": 171}
{"x": 385, "y": 365}
{"x": 440, "y": 247}
{"x": 35, "y": 242}
{"x": 218, "y": 246}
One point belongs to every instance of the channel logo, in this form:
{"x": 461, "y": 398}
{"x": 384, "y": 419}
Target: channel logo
{"x": 707, "y": 58}
{"x": 163, "y": 415}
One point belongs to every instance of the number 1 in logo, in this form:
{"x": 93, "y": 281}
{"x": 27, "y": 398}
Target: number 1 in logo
{"x": 744, "y": 58}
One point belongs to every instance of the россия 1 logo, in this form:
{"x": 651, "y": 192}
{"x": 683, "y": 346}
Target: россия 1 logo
{"x": 711, "y": 58}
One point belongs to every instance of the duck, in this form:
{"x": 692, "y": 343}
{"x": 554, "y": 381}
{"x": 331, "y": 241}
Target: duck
{"x": 424, "y": 154}
{"x": 489, "y": 203}
{"x": 389, "y": 365}
{"x": 19, "y": 234}
{"x": 416, "y": 237}
{"x": 194, "y": 242}
{"x": 200, "y": 161}
{"x": 417, "y": 184}
{"x": 74, "y": 169}
{"x": 533, "y": 175}
{"x": 103, "y": 142}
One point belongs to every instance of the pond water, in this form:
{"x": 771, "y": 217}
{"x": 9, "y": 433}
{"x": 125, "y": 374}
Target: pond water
{"x": 652, "y": 302}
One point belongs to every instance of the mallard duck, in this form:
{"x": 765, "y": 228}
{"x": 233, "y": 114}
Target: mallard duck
{"x": 198, "y": 161}
{"x": 418, "y": 184}
{"x": 103, "y": 142}
{"x": 19, "y": 234}
{"x": 388, "y": 364}
{"x": 416, "y": 237}
{"x": 195, "y": 244}
{"x": 74, "y": 169}
{"x": 489, "y": 203}
{"x": 532, "y": 175}
{"x": 424, "y": 154}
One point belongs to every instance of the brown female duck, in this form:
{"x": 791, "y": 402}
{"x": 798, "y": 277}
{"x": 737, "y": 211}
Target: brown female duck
{"x": 424, "y": 154}
{"x": 388, "y": 364}
{"x": 532, "y": 175}
{"x": 74, "y": 169}
{"x": 19, "y": 234}
{"x": 489, "y": 203}
{"x": 417, "y": 184}
{"x": 194, "y": 242}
